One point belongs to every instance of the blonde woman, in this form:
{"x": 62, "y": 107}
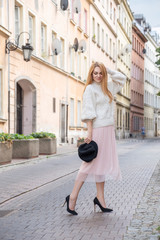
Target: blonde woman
{"x": 98, "y": 113}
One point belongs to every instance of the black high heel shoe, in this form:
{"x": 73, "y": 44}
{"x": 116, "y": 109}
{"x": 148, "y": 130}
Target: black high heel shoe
{"x": 96, "y": 201}
{"x": 68, "y": 209}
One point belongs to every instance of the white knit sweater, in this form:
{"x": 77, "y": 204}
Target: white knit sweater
{"x": 96, "y": 104}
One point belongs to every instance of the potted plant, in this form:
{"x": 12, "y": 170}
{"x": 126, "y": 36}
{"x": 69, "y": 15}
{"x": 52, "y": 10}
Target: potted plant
{"x": 5, "y": 148}
{"x": 47, "y": 142}
{"x": 25, "y": 146}
{"x": 80, "y": 141}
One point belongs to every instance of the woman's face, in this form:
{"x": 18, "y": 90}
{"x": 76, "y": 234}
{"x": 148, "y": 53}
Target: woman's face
{"x": 97, "y": 75}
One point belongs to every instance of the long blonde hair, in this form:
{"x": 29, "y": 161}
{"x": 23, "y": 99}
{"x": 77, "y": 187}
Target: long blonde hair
{"x": 104, "y": 79}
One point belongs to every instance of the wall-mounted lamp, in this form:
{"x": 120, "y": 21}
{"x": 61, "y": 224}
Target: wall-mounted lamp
{"x": 27, "y": 49}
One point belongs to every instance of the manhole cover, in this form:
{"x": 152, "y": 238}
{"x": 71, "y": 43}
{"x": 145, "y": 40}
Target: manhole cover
{"x": 3, "y": 213}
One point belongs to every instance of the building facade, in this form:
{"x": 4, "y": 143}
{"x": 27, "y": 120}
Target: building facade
{"x": 124, "y": 40}
{"x": 137, "y": 80}
{"x": 46, "y": 93}
{"x": 151, "y": 81}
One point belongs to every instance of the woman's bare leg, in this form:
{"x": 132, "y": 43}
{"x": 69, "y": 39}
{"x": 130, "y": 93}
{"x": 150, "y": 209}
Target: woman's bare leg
{"x": 100, "y": 193}
{"x": 74, "y": 194}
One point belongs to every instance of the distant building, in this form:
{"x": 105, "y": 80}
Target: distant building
{"x": 137, "y": 79}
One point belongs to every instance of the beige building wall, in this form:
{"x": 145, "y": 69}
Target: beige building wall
{"x": 45, "y": 86}
{"x": 4, "y": 90}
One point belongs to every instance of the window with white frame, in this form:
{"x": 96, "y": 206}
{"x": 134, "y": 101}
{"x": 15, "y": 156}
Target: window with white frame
{"x": 1, "y": 11}
{"x": 71, "y": 112}
{"x": 43, "y": 40}
{"x": 106, "y": 43}
{"x": 31, "y": 27}
{"x": 18, "y": 19}
{"x": 78, "y": 113}
{"x": 1, "y": 92}
{"x": 54, "y": 57}
{"x": 107, "y": 5}
{"x": 36, "y": 4}
{"x": 85, "y": 68}
{"x": 93, "y": 27}
{"x": 62, "y": 57}
{"x": 79, "y": 65}
{"x": 71, "y": 9}
{"x": 111, "y": 10}
{"x": 114, "y": 51}
{"x": 79, "y": 19}
{"x": 114, "y": 16}
{"x": 110, "y": 47}
{"x": 72, "y": 62}
{"x": 85, "y": 20}
{"x": 102, "y": 39}
{"x": 98, "y": 33}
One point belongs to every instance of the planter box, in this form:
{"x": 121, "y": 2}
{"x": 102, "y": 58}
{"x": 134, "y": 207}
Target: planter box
{"x": 47, "y": 146}
{"x": 5, "y": 153}
{"x": 25, "y": 148}
{"x": 79, "y": 142}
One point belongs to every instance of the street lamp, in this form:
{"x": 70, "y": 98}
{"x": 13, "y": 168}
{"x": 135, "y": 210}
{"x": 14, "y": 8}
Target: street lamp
{"x": 27, "y": 48}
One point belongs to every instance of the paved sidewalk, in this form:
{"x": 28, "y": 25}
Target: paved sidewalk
{"x": 146, "y": 219}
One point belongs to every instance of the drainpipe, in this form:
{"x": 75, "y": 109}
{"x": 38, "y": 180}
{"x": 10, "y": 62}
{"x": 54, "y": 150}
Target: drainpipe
{"x": 8, "y": 74}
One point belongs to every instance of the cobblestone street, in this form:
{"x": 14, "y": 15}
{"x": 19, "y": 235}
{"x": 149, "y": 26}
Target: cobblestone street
{"x": 32, "y": 195}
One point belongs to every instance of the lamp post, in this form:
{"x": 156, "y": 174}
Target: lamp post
{"x": 27, "y": 48}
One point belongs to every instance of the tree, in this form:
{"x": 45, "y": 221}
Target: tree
{"x": 158, "y": 55}
{"x": 158, "y": 63}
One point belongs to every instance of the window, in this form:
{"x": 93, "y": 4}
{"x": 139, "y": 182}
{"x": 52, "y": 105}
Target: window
{"x": 106, "y": 43}
{"x": 102, "y": 38}
{"x": 110, "y": 47}
{"x": 85, "y": 20}
{"x": 1, "y": 92}
{"x": 78, "y": 113}
{"x": 1, "y": 11}
{"x": 79, "y": 65}
{"x": 114, "y": 51}
{"x": 72, "y": 11}
{"x": 79, "y": 19}
{"x": 18, "y": 20}
{"x": 93, "y": 27}
{"x": 114, "y": 16}
{"x": 107, "y": 5}
{"x": 72, "y": 68}
{"x": 98, "y": 33}
{"x": 111, "y": 10}
{"x": 54, "y": 105}
{"x": 31, "y": 28}
{"x": 54, "y": 57}
{"x": 71, "y": 112}
{"x": 36, "y": 4}
{"x": 85, "y": 68}
{"x": 62, "y": 54}
{"x": 43, "y": 40}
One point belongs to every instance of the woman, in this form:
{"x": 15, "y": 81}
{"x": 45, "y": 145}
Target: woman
{"x": 98, "y": 113}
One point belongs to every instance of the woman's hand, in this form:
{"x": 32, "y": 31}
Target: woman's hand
{"x": 88, "y": 139}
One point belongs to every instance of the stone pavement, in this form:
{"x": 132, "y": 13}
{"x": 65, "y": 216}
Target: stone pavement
{"x": 146, "y": 219}
{"x": 37, "y": 214}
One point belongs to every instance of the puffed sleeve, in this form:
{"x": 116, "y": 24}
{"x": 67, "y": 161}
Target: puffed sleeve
{"x": 88, "y": 106}
{"x": 118, "y": 80}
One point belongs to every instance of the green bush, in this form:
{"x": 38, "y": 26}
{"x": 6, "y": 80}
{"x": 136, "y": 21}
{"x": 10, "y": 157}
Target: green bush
{"x": 43, "y": 135}
{"x": 21, "y": 136}
{"x": 6, "y": 137}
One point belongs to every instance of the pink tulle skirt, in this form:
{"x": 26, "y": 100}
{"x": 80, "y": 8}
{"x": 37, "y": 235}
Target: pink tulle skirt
{"x": 106, "y": 165}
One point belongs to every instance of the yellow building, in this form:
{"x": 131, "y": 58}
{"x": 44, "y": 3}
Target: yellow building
{"x": 124, "y": 40}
